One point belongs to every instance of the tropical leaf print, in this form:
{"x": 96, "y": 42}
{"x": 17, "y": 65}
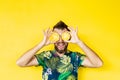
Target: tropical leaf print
{"x": 65, "y": 65}
{"x": 71, "y": 77}
{"x": 64, "y": 75}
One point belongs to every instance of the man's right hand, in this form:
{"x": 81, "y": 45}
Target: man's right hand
{"x": 28, "y": 58}
{"x": 47, "y": 33}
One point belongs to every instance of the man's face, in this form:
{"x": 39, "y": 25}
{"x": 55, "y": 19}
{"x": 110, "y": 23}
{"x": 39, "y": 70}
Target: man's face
{"x": 60, "y": 45}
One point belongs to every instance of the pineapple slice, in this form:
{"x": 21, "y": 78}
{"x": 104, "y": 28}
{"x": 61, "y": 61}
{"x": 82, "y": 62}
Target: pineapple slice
{"x": 66, "y": 36}
{"x": 54, "y": 37}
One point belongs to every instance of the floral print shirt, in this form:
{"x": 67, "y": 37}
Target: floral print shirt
{"x": 60, "y": 68}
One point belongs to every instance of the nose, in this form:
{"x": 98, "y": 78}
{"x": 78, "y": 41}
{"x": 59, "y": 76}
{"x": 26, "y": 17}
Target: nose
{"x": 60, "y": 39}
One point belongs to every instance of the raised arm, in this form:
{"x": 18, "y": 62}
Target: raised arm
{"x": 28, "y": 58}
{"x": 91, "y": 59}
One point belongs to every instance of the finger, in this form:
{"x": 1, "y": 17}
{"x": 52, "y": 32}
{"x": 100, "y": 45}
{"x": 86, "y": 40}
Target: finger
{"x": 71, "y": 31}
{"x": 47, "y": 30}
{"x": 50, "y": 31}
{"x": 52, "y": 42}
{"x": 71, "y": 28}
{"x": 76, "y": 29}
{"x": 43, "y": 31}
{"x": 68, "y": 41}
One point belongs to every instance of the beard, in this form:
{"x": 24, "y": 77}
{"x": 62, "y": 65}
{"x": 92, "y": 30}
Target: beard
{"x": 61, "y": 50}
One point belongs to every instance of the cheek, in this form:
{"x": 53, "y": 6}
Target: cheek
{"x": 66, "y": 43}
{"x": 55, "y": 44}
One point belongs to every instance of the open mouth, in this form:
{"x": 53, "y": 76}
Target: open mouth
{"x": 61, "y": 45}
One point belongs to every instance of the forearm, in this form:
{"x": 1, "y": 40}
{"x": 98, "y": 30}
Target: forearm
{"x": 27, "y": 56}
{"x": 90, "y": 54}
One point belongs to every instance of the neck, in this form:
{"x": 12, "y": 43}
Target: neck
{"x": 60, "y": 54}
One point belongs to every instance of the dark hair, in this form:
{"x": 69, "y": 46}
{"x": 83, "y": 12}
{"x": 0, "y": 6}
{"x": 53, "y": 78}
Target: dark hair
{"x": 61, "y": 25}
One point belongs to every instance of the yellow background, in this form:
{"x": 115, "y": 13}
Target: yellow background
{"x": 22, "y": 22}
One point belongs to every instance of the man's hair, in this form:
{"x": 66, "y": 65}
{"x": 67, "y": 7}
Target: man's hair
{"x": 61, "y": 25}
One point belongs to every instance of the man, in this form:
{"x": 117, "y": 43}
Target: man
{"x": 60, "y": 64}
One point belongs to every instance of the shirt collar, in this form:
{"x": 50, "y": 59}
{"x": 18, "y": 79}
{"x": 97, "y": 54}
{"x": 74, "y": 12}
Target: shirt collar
{"x": 56, "y": 55}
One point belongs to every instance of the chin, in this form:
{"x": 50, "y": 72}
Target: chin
{"x": 61, "y": 51}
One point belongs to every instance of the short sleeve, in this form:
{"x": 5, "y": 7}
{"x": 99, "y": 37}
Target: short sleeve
{"x": 40, "y": 58}
{"x": 80, "y": 58}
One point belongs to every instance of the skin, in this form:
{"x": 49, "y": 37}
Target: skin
{"x": 60, "y": 45}
{"x": 91, "y": 59}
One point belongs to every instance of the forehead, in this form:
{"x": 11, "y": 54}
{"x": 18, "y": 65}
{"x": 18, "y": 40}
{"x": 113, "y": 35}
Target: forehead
{"x": 59, "y": 30}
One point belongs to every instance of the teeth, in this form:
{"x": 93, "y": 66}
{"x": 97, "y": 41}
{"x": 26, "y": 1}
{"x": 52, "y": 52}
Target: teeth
{"x": 60, "y": 43}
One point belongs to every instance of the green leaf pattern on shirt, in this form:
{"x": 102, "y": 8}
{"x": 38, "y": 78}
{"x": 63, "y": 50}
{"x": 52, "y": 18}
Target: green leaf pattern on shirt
{"x": 65, "y": 67}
